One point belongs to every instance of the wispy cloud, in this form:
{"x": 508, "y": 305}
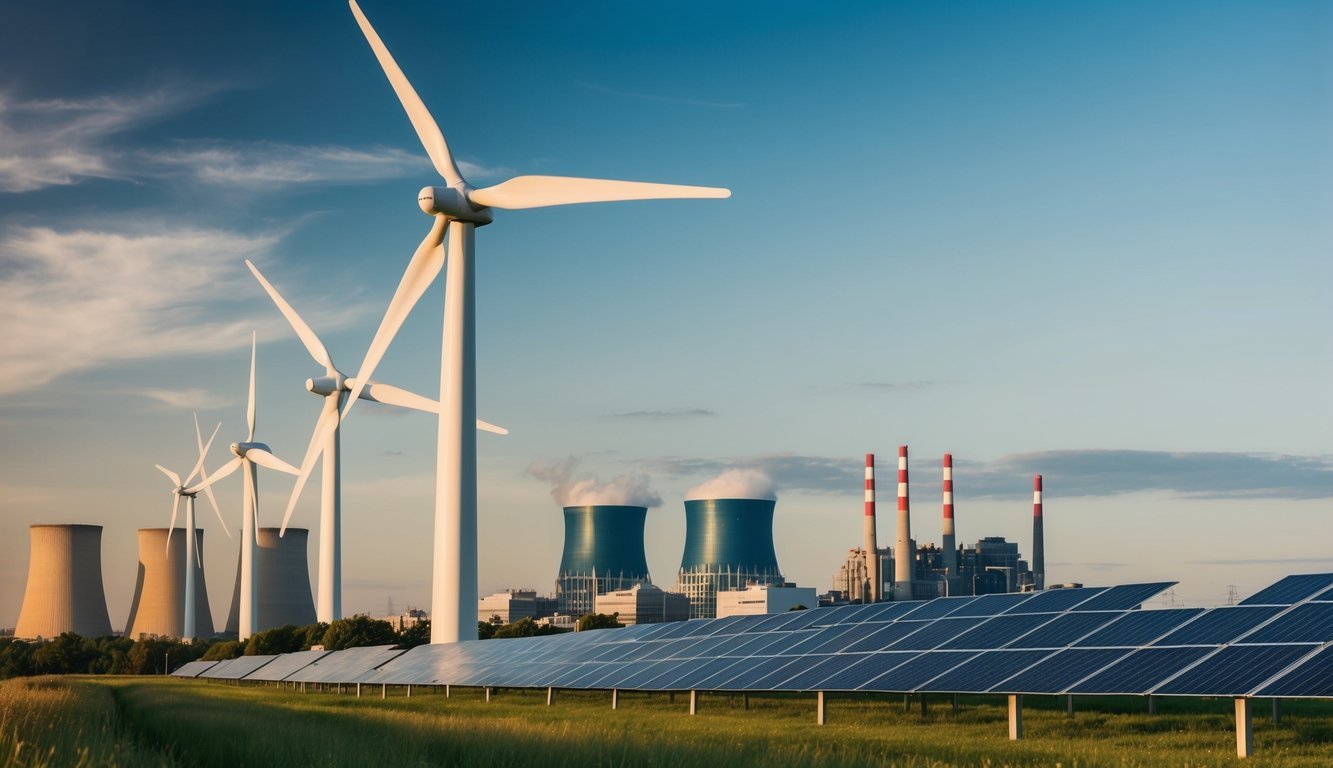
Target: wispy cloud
{"x": 670, "y": 414}
{"x": 791, "y": 472}
{"x": 661, "y": 98}
{"x": 72, "y": 301}
{"x": 263, "y": 164}
{"x": 185, "y": 399}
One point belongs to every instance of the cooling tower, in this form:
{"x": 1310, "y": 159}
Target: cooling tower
{"x": 159, "y": 595}
{"x": 64, "y": 592}
{"x": 603, "y": 553}
{"x": 282, "y": 579}
{"x": 728, "y": 545}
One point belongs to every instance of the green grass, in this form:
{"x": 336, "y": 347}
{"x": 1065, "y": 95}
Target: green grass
{"x": 144, "y": 721}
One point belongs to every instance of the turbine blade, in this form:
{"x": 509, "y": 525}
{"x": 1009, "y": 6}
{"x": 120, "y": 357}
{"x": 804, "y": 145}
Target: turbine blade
{"x": 545, "y": 191}
{"x": 328, "y": 420}
{"x": 486, "y": 426}
{"x": 250, "y": 408}
{"x": 217, "y": 511}
{"x": 265, "y": 459}
{"x": 418, "y": 276}
{"x": 203, "y": 449}
{"x": 427, "y": 130}
{"x": 203, "y": 473}
{"x": 388, "y": 394}
{"x": 227, "y": 469}
{"x": 312, "y": 343}
{"x": 172, "y": 476}
{"x": 175, "y": 504}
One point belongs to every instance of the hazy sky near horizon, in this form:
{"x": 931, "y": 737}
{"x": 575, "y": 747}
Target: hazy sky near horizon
{"x": 1087, "y": 240}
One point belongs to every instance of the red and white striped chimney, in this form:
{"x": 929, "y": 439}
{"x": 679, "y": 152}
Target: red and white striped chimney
{"x": 1038, "y": 537}
{"x": 949, "y": 545}
{"x": 874, "y": 583}
{"x": 903, "y": 557}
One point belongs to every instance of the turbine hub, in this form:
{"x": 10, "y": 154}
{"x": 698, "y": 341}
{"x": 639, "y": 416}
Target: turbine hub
{"x": 240, "y": 449}
{"x": 452, "y": 203}
{"x": 326, "y": 385}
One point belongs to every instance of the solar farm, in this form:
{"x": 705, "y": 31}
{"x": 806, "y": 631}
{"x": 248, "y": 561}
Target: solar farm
{"x": 1277, "y": 644}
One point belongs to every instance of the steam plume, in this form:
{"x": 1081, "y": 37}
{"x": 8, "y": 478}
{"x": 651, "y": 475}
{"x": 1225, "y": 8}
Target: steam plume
{"x": 736, "y": 484}
{"x": 570, "y": 488}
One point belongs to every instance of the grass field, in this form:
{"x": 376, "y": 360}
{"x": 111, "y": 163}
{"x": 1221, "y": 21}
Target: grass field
{"x": 132, "y": 721}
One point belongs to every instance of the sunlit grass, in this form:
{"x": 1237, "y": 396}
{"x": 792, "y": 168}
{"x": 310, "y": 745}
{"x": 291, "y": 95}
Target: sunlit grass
{"x": 60, "y": 722}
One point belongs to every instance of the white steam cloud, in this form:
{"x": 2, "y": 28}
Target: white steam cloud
{"x": 736, "y": 484}
{"x": 586, "y": 489}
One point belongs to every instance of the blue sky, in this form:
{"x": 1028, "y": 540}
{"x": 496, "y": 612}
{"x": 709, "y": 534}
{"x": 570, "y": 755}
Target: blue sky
{"x": 1090, "y": 241}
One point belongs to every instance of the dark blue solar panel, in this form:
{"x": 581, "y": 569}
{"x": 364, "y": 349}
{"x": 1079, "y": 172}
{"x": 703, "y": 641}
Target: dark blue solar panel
{"x": 777, "y": 679}
{"x": 837, "y": 615}
{"x": 1292, "y": 589}
{"x": 1236, "y": 669}
{"x": 934, "y": 634}
{"x": 857, "y": 613}
{"x": 1309, "y": 623}
{"x": 1220, "y": 625}
{"x": 1312, "y": 679}
{"x": 979, "y": 674}
{"x": 993, "y": 605}
{"x": 666, "y": 677}
{"x": 891, "y": 611}
{"x": 877, "y": 637}
{"x": 614, "y": 652}
{"x": 905, "y": 678}
{"x": 998, "y": 632}
{"x": 812, "y": 677}
{"x": 938, "y": 608}
{"x": 838, "y": 642}
{"x": 789, "y": 640}
{"x": 1123, "y": 597}
{"x": 837, "y": 636}
{"x": 1142, "y": 670}
{"x": 1058, "y": 672}
{"x": 749, "y": 674}
{"x": 1063, "y": 630}
{"x": 757, "y": 643}
{"x": 687, "y": 677}
{"x": 1139, "y": 627}
{"x": 1058, "y": 600}
{"x": 642, "y": 679}
{"x": 863, "y": 667}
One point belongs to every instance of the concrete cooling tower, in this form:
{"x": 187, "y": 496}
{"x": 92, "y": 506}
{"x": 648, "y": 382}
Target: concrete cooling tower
{"x": 64, "y": 591}
{"x": 728, "y": 545}
{"x": 159, "y": 594}
{"x": 282, "y": 577}
{"x": 603, "y": 553}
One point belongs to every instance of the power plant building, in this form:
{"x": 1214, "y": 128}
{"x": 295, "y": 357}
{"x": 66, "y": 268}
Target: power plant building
{"x": 282, "y": 575}
{"x": 852, "y": 578}
{"x": 158, "y": 608}
{"x": 758, "y": 599}
{"x": 64, "y": 590}
{"x": 644, "y": 604}
{"x": 514, "y": 605}
{"x": 728, "y": 546}
{"x": 603, "y": 553}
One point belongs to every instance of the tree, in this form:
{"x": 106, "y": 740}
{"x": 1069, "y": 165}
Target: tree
{"x": 314, "y": 635}
{"x": 415, "y": 634}
{"x": 524, "y": 627}
{"x": 598, "y": 621}
{"x": 485, "y": 630}
{"x": 227, "y": 649}
{"x": 358, "y": 631}
{"x": 64, "y": 655}
{"x": 16, "y": 658}
{"x": 284, "y": 639}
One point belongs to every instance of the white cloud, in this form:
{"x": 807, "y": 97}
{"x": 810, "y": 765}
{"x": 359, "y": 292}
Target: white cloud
{"x": 269, "y": 164}
{"x": 185, "y": 399}
{"x": 76, "y": 300}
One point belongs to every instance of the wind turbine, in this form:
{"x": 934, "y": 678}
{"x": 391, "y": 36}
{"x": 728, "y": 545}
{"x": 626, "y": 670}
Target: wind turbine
{"x": 460, "y": 208}
{"x": 189, "y": 629}
{"x": 253, "y": 455}
{"x": 333, "y": 386}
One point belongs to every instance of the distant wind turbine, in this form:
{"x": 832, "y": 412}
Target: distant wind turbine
{"x": 333, "y": 386}
{"x": 252, "y": 455}
{"x": 460, "y": 208}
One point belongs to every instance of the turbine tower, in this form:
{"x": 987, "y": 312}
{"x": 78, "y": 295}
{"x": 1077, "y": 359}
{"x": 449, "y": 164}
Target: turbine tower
{"x": 253, "y": 455}
{"x": 190, "y": 628}
{"x": 333, "y": 386}
{"x": 459, "y": 208}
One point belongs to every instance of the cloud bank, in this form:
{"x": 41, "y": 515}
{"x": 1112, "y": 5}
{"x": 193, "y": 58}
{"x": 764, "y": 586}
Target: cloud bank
{"x": 572, "y": 489}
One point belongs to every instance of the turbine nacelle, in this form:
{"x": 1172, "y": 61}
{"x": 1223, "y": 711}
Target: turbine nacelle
{"x": 240, "y": 449}
{"x": 452, "y": 203}
{"x": 325, "y": 386}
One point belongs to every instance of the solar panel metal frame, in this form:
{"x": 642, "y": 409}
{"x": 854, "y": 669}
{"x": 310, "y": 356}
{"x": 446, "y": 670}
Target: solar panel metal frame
{"x": 192, "y": 668}
{"x": 350, "y": 665}
{"x": 284, "y": 665}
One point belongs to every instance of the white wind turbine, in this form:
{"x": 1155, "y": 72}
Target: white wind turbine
{"x": 252, "y": 455}
{"x": 460, "y": 208}
{"x": 333, "y": 386}
{"x": 189, "y": 630}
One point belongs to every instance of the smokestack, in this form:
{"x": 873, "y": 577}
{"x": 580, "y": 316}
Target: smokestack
{"x": 950, "y": 546}
{"x": 1038, "y": 537}
{"x": 875, "y": 587}
{"x": 903, "y": 556}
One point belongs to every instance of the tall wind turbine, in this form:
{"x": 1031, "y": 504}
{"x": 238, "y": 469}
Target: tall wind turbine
{"x": 333, "y": 386}
{"x": 253, "y": 455}
{"x": 190, "y": 628}
{"x": 460, "y": 208}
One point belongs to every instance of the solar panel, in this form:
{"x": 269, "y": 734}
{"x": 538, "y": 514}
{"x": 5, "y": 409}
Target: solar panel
{"x": 1057, "y": 673}
{"x": 993, "y": 605}
{"x": 347, "y": 666}
{"x": 938, "y": 608}
{"x": 863, "y": 667}
{"x": 242, "y": 666}
{"x": 1063, "y": 630}
{"x": 934, "y": 634}
{"x": 1123, "y": 597}
{"x": 1059, "y": 600}
{"x": 811, "y": 676}
{"x": 890, "y": 611}
{"x": 1220, "y": 625}
{"x": 1141, "y": 670}
{"x": 284, "y": 665}
{"x": 881, "y": 637}
{"x": 906, "y": 677}
{"x": 1313, "y": 678}
{"x": 1308, "y": 623}
{"x": 746, "y": 677}
{"x": 192, "y": 668}
{"x": 980, "y": 673}
{"x": 1235, "y": 668}
{"x": 1139, "y": 627}
{"x": 218, "y": 668}
{"x": 999, "y": 631}
{"x": 1291, "y": 589}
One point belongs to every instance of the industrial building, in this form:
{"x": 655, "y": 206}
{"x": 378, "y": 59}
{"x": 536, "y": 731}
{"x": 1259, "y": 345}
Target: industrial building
{"x": 282, "y": 576}
{"x": 758, "y": 599}
{"x": 158, "y": 608}
{"x": 603, "y": 553}
{"x": 64, "y": 590}
{"x": 514, "y": 605}
{"x": 728, "y": 546}
{"x": 852, "y": 580}
{"x": 644, "y": 604}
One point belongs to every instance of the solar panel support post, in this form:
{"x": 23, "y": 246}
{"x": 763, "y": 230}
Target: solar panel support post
{"x": 745, "y": 701}
{"x": 488, "y": 693}
{"x": 615, "y": 698}
{"x": 409, "y": 690}
{"x": 694, "y": 702}
{"x": 1244, "y": 742}
{"x": 955, "y": 703}
{"x": 384, "y": 690}
{"x": 907, "y": 702}
{"x": 922, "y": 698}
{"x": 1015, "y": 717}
{"x": 446, "y": 691}
{"x": 1277, "y": 711}
{"x": 550, "y": 696}
{"x": 821, "y": 709}
{"x": 1152, "y": 705}
{"x": 358, "y": 690}
{"x": 1069, "y": 706}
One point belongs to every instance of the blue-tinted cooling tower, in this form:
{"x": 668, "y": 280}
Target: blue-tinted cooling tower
{"x": 728, "y": 545}
{"x": 603, "y": 552}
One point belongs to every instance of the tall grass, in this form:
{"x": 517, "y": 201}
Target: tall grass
{"x": 47, "y": 721}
